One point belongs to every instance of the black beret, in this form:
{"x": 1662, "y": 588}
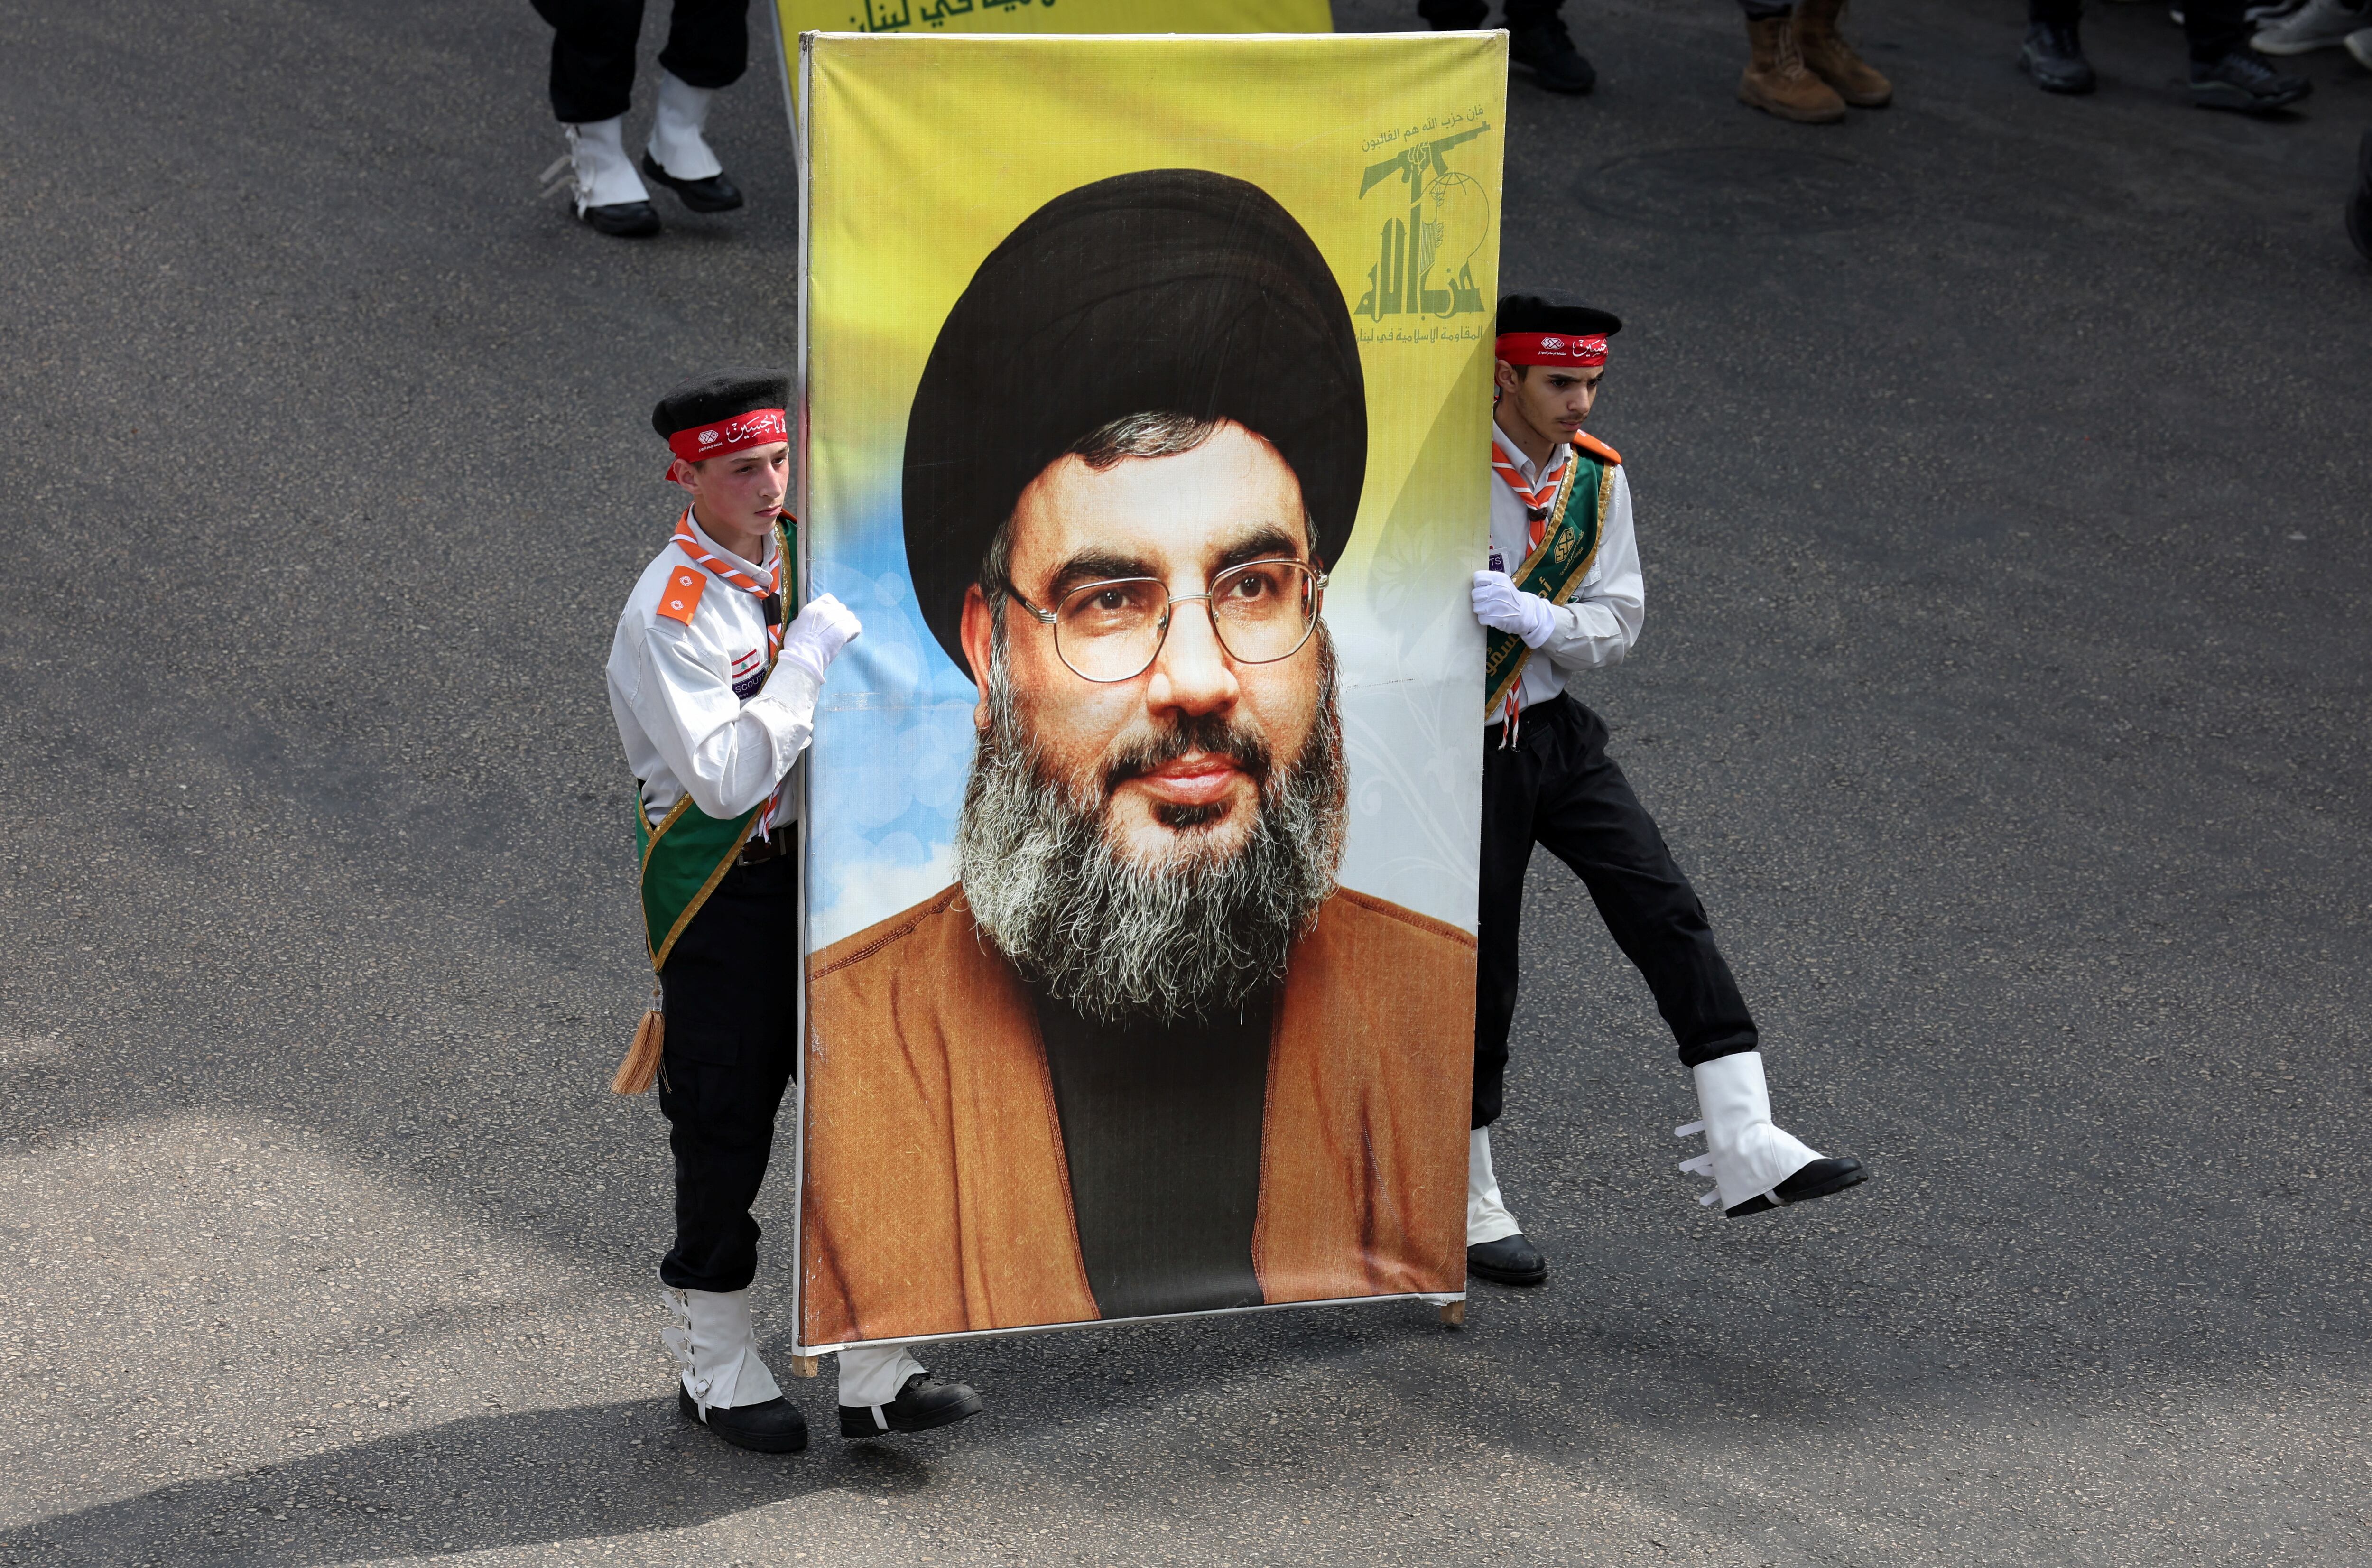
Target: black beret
{"x": 1553, "y": 313}
{"x": 1166, "y": 291}
{"x": 713, "y": 399}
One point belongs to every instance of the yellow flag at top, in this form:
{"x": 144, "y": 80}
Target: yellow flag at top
{"x": 1054, "y": 15}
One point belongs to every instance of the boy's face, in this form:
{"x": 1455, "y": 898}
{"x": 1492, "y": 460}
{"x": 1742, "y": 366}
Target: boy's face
{"x": 741, "y": 491}
{"x": 1554, "y": 400}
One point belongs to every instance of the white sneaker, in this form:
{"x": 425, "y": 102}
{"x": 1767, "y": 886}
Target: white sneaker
{"x": 2271, "y": 10}
{"x": 2318, "y": 24}
{"x": 2359, "y": 44}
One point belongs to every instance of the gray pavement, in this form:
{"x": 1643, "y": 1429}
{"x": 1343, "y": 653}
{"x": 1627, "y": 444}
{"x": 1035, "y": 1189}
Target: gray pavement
{"x": 2004, "y": 484}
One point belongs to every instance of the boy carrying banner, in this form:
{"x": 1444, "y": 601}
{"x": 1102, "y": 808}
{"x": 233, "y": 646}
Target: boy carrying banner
{"x": 1564, "y": 594}
{"x": 714, "y": 698}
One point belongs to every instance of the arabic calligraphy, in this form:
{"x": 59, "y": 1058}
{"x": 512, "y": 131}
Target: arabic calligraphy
{"x": 882, "y": 16}
{"x": 1448, "y": 219}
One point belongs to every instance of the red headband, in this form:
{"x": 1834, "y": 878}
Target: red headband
{"x": 759, "y": 427}
{"x": 1551, "y": 348}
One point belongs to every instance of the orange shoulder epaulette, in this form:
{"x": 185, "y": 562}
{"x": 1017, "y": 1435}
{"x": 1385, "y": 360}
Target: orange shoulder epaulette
{"x": 681, "y": 599}
{"x": 1589, "y": 443}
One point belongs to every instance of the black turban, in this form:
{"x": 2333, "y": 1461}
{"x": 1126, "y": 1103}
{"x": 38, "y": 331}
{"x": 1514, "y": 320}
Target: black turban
{"x": 714, "y": 398}
{"x": 1169, "y": 291}
{"x": 1553, "y": 313}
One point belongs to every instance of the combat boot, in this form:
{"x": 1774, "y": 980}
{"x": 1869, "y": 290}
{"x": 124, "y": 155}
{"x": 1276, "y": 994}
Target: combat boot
{"x": 1828, "y": 56}
{"x": 1775, "y": 80}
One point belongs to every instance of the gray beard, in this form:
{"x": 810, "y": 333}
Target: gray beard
{"x": 1197, "y": 937}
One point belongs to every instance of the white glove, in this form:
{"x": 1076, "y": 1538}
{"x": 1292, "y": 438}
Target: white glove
{"x": 811, "y": 641}
{"x": 1502, "y": 605}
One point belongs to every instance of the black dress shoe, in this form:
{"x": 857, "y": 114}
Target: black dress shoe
{"x": 774, "y": 1427}
{"x": 1510, "y": 1261}
{"x": 1548, "y": 49}
{"x": 2053, "y": 56}
{"x": 924, "y": 1402}
{"x": 626, "y": 220}
{"x": 1817, "y": 1179}
{"x": 714, "y": 194}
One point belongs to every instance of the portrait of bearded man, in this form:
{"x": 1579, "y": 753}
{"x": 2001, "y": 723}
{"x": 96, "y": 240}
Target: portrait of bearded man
{"x": 1145, "y": 1056}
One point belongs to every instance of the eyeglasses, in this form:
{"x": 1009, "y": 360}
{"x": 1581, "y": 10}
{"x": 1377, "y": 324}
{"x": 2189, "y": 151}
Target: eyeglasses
{"x": 1260, "y": 611}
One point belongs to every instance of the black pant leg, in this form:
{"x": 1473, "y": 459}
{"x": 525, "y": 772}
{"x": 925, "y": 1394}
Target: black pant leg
{"x": 2214, "y": 28}
{"x": 1588, "y": 817}
{"x": 1510, "y": 781}
{"x": 708, "y": 42}
{"x": 732, "y": 1044}
{"x": 2061, "y": 13}
{"x": 592, "y": 56}
{"x": 1456, "y": 15}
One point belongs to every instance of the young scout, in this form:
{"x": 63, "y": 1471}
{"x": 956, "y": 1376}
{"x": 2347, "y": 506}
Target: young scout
{"x": 714, "y": 698}
{"x": 1564, "y": 594}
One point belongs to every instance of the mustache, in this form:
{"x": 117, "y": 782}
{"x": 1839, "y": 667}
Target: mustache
{"x": 1215, "y": 734}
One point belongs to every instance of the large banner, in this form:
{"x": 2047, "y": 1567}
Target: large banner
{"x": 1147, "y": 384}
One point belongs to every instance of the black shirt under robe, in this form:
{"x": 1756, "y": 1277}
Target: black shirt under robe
{"x": 1161, "y": 1127}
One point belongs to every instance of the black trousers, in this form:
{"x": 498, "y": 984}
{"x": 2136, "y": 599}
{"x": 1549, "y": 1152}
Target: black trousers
{"x": 1557, "y": 787}
{"x": 593, "y": 50}
{"x": 2214, "y": 28}
{"x": 1473, "y": 13}
{"x": 732, "y": 1045}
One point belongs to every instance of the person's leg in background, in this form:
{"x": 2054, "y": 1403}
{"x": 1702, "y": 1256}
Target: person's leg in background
{"x": 1776, "y": 80}
{"x": 592, "y": 83}
{"x": 2053, "y": 51}
{"x": 2226, "y": 72}
{"x": 707, "y": 50}
{"x": 2318, "y": 24}
{"x": 1538, "y": 39}
{"x": 1827, "y": 56}
{"x": 2359, "y": 206}
{"x": 1454, "y": 16}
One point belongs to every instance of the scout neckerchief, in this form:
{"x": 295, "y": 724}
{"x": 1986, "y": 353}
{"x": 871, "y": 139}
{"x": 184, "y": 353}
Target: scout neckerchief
{"x": 1537, "y": 499}
{"x": 686, "y": 853}
{"x": 1566, "y": 511}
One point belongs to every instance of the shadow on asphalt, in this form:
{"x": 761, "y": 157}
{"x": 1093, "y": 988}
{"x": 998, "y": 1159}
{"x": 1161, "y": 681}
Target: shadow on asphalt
{"x": 445, "y": 1502}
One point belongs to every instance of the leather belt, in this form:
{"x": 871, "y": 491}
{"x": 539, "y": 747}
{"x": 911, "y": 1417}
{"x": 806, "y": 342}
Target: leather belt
{"x": 781, "y": 841}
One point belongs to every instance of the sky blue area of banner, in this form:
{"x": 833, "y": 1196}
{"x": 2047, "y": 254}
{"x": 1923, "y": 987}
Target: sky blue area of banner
{"x": 894, "y": 737}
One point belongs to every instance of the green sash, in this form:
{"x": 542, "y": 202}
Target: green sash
{"x": 1568, "y": 545}
{"x": 688, "y": 853}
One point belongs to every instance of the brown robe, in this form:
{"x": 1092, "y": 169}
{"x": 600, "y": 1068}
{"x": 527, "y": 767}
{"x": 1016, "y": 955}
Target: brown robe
{"x": 937, "y": 1200}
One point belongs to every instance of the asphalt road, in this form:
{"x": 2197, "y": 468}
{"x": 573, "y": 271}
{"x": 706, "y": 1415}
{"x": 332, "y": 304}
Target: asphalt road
{"x": 2003, "y": 486}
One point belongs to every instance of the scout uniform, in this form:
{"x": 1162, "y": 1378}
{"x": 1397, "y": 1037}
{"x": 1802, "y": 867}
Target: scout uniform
{"x": 715, "y": 697}
{"x": 1564, "y": 594}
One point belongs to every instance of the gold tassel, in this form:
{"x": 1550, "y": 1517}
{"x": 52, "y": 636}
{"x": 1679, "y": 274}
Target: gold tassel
{"x": 641, "y": 1063}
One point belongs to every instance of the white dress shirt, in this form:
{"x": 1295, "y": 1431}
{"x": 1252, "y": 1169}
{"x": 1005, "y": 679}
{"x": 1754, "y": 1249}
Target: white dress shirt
{"x": 686, "y": 696}
{"x": 1600, "y": 622}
